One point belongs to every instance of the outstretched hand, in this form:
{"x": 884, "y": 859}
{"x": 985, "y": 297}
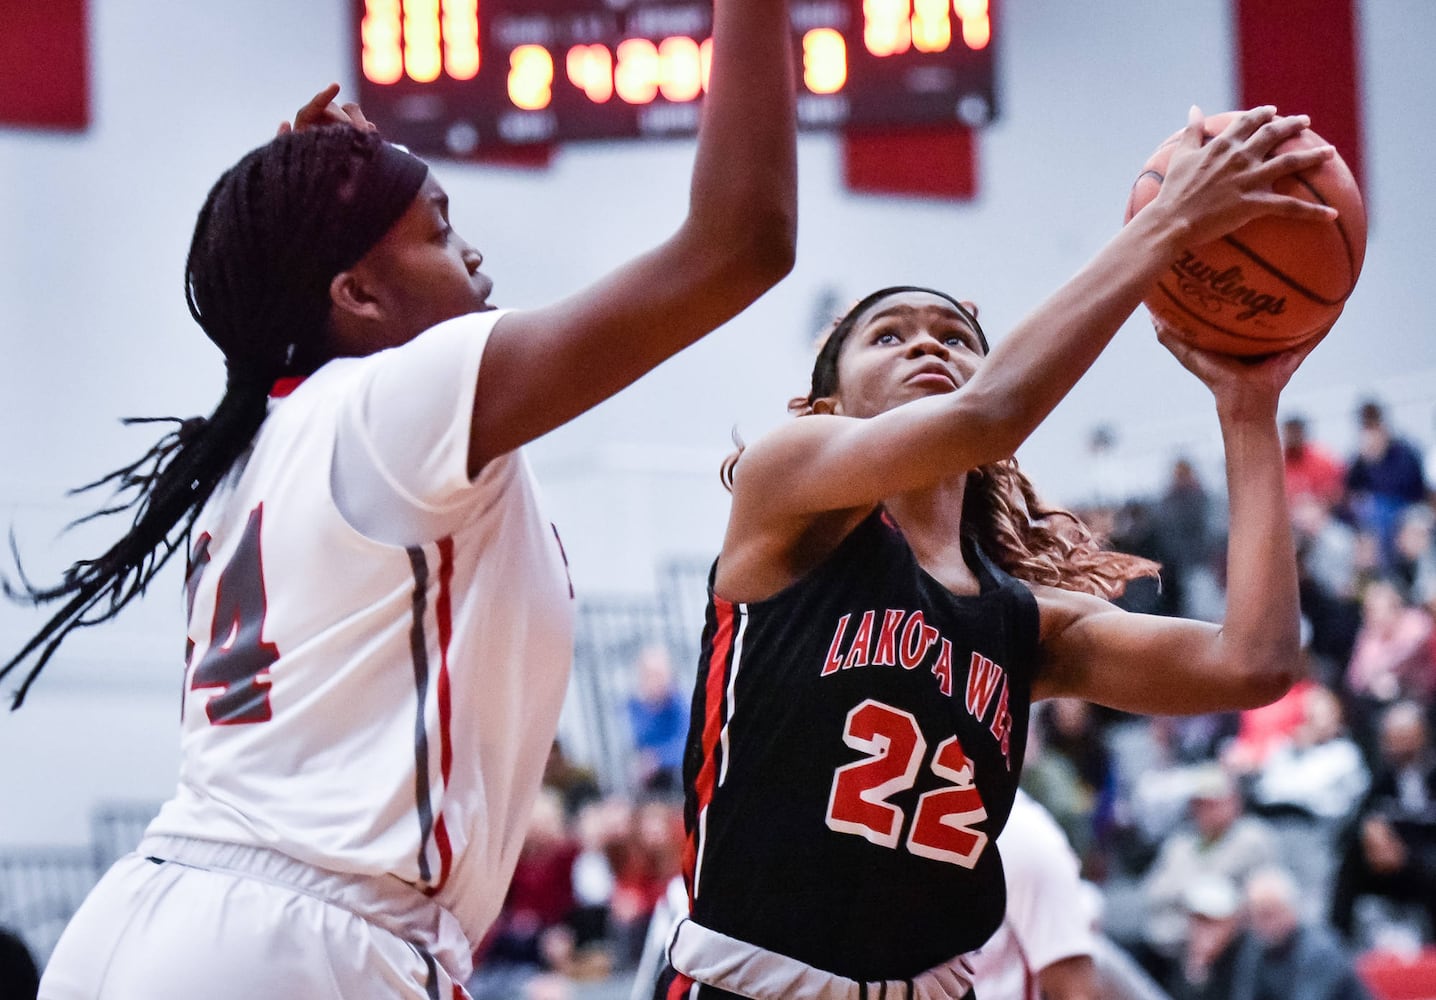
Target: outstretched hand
{"x": 1217, "y": 185}
{"x": 321, "y": 109}
{"x": 1240, "y": 385}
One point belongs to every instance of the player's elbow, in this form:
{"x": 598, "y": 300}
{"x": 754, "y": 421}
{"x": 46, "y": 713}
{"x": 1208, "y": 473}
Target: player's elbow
{"x": 768, "y": 243}
{"x": 1262, "y": 676}
{"x": 750, "y": 248}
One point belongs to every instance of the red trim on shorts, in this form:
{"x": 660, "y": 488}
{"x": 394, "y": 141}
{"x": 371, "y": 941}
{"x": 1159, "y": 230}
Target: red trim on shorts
{"x": 713, "y": 704}
{"x": 444, "y": 616}
{"x": 679, "y": 988}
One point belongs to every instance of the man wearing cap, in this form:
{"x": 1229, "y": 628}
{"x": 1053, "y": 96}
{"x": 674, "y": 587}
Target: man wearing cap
{"x": 1214, "y": 936}
{"x": 1220, "y": 842}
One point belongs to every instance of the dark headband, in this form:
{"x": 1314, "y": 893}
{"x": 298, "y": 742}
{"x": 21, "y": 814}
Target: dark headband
{"x": 375, "y": 197}
{"x": 827, "y": 359}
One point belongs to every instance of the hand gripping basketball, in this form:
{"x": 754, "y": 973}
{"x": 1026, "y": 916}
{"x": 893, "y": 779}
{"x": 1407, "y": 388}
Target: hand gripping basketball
{"x": 1274, "y": 282}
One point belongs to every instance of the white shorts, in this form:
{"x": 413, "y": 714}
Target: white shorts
{"x": 174, "y": 931}
{"x": 713, "y": 959}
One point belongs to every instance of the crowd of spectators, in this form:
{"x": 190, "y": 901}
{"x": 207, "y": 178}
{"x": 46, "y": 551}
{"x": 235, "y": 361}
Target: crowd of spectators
{"x": 1299, "y": 834}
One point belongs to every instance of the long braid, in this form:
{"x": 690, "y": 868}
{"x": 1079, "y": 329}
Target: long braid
{"x": 271, "y": 235}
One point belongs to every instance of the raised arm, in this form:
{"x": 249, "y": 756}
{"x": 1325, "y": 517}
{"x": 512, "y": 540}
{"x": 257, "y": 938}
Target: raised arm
{"x": 1148, "y": 664}
{"x": 546, "y": 366}
{"x": 832, "y": 463}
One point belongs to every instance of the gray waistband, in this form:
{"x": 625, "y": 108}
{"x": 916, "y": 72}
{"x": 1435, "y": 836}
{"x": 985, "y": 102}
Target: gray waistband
{"x": 735, "y": 966}
{"x": 385, "y": 901}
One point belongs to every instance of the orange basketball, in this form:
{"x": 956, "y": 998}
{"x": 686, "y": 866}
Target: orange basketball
{"x": 1272, "y": 283}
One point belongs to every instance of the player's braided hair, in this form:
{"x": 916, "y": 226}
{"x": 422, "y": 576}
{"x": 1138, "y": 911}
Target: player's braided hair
{"x": 272, "y": 234}
{"x": 1027, "y": 538}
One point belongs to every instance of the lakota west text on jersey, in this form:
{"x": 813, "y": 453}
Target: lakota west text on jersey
{"x": 904, "y": 638}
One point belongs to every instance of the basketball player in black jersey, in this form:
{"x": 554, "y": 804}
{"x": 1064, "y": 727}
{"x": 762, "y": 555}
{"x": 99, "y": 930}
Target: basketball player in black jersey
{"x": 891, "y": 596}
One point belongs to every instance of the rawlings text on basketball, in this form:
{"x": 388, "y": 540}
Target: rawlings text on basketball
{"x": 1227, "y": 286}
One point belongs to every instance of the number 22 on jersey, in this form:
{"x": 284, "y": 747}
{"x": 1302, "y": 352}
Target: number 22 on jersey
{"x": 237, "y": 658}
{"x": 943, "y": 825}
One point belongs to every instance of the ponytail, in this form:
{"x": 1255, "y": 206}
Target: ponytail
{"x": 165, "y": 488}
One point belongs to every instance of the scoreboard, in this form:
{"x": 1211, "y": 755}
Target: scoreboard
{"x": 461, "y": 77}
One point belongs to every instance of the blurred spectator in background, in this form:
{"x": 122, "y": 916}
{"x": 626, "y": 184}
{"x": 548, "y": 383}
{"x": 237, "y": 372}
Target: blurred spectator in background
{"x": 1318, "y": 774}
{"x": 1414, "y": 565}
{"x": 644, "y": 865}
{"x": 1391, "y": 659}
{"x": 1212, "y": 904}
{"x": 575, "y": 784}
{"x": 1111, "y": 480}
{"x": 1053, "y": 781}
{"x": 19, "y": 976}
{"x": 1326, "y": 558}
{"x": 1132, "y": 528}
{"x": 1389, "y": 850}
{"x": 1312, "y": 472}
{"x": 1184, "y": 539}
{"x": 1073, "y": 747}
{"x": 1384, "y": 477}
{"x": 1221, "y": 841}
{"x": 532, "y": 934}
{"x": 658, "y": 719}
{"x": 1280, "y": 957}
{"x": 1261, "y": 730}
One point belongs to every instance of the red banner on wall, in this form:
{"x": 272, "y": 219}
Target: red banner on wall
{"x": 1301, "y": 55}
{"x": 44, "y": 63}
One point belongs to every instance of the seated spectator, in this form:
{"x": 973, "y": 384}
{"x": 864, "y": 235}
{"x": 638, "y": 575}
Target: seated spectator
{"x": 658, "y": 719}
{"x": 644, "y": 865}
{"x": 1260, "y": 731}
{"x": 1391, "y": 660}
{"x": 575, "y": 784}
{"x": 1383, "y": 479}
{"x": 1279, "y": 957}
{"x": 1312, "y": 472}
{"x": 544, "y": 939}
{"x": 1212, "y": 905}
{"x": 1415, "y": 559}
{"x": 1389, "y": 850}
{"x": 1067, "y": 728}
{"x": 1319, "y": 773}
{"x": 1326, "y": 554}
{"x": 532, "y": 929}
{"x": 1184, "y": 535}
{"x": 1221, "y": 841}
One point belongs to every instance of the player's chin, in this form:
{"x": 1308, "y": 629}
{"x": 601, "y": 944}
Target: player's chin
{"x": 929, "y": 384}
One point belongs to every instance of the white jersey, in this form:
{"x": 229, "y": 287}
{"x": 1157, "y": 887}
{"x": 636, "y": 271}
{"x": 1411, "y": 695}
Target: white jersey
{"x": 376, "y": 701}
{"x": 1048, "y": 917}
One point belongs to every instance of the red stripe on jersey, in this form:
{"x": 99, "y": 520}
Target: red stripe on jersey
{"x": 679, "y": 988}
{"x": 444, "y": 615}
{"x": 284, "y": 386}
{"x": 713, "y": 703}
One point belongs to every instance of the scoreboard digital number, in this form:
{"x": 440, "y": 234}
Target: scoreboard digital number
{"x": 458, "y": 77}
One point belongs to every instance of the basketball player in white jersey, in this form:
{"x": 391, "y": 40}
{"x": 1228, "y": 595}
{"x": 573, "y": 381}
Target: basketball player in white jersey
{"x": 380, "y": 617}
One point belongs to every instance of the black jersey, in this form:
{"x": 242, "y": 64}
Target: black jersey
{"x": 855, "y": 746}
